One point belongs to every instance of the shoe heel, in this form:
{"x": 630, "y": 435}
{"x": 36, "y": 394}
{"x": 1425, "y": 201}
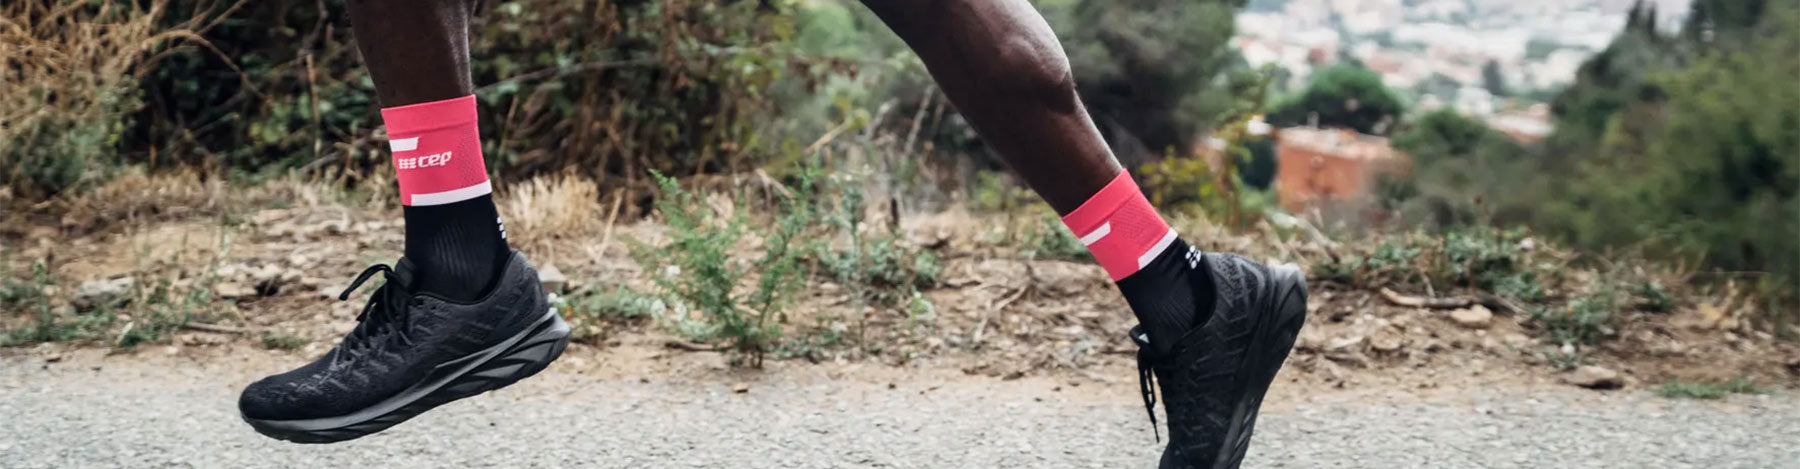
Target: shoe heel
{"x": 1290, "y": 297}
{"x": 530, "y": 356}
{"x": 542, "y": 344}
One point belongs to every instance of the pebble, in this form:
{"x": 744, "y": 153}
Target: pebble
{"x": 1474, "y": 317}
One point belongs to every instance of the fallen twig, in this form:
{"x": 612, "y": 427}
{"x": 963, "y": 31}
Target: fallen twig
{"x": 1422, "y": 302}
{"x": 691, "y": 347}
{"x": 993, "y": 308}
{"x": 204, "y": 327}
{"x": 1493, "y": 302}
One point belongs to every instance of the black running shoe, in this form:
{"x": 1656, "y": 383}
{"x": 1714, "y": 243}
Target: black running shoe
{"x": 409, "y": 353}
{"x": 1214, "y": 378}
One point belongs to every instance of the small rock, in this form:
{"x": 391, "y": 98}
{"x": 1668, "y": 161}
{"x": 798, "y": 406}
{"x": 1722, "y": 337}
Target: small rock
{"x": 203, "y": 339}
{"x": 1594, "y": 377}
{"x": 233, "y": 290}
{"x": 53, "y": 358}
{"x": 1474, "y": 317}
{"x": 1352, "y": 358}
{"x": 271, "y": 278}
{"x": 266, "y": 217}
{"x": 552, "y": 278}
{"x": 1384, "y": 343}
{"x": 94, "y": 292}
{"x": 740, "y": 388}
{"x": 1345, "y": 343}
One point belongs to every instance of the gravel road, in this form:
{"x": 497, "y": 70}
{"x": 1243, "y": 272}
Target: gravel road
{"x": 120, "y": 412}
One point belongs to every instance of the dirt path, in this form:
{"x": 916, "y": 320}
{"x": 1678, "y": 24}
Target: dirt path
{"x": 154, "y": 410}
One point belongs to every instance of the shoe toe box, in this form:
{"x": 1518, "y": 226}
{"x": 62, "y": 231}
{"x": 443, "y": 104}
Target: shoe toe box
{"x": 297, "y": 394}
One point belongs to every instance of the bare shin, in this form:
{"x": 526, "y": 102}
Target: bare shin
{"x": 417, "y": 50}
{"x": 1001, "y": 65}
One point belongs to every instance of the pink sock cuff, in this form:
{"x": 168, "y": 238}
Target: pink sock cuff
{"x": 426, "y": 117}
{"x": 1120, "y": 228}
{"x": 437, "y": 151}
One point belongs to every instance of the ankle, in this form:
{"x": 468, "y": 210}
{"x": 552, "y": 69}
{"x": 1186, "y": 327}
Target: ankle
{"x": 1159, "y": 274}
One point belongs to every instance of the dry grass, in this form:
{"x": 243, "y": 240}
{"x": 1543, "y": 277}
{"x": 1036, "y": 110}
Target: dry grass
{"x": 134, "y": 196}
{"x": 68, "y": 71}
{"x": 545, "y": 210}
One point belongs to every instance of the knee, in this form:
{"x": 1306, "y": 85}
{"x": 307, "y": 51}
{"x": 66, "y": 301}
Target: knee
{"x": 999, "y": 49}
{"x": 1031, "y": 67}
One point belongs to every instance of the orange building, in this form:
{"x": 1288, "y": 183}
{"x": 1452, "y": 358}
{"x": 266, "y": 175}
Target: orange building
{"x": 1321, "y": 165}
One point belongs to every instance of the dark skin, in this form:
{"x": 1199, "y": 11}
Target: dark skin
{"x": 997, "y": 61}
{"x": 417, "y": 51}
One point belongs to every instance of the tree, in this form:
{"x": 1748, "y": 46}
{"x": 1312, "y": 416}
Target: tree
{"x": 1342, "y": 96}
{"x": 1149, "y": 70}
{"x": 1442, "y": 134}
{"x": 1493, "y": 79}
{"x": 1456, "y": 162}
{"x": 1679, "y": 146}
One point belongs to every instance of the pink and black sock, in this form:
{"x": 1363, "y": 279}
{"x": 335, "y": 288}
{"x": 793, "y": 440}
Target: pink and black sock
{"x": 1163, "y": 278}
{"x": 454, "y": 237}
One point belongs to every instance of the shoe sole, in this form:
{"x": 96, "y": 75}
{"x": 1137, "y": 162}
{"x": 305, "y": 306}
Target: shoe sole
{"x": 1276, "y": 328}
{"x": 518, "y": 357}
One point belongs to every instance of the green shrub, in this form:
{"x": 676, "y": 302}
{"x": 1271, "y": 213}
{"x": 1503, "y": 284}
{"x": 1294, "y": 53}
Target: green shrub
{"x": 696, "y": 270}
{"x": 1678, "y": 389}
{"x": 621, "y": 303}
{"x": 46, "y": 323}
{"x": 1584, "y": 321}
{"x": 878, "y": 269}
{"x": 1652, "y": 297}
{"x": 1049, "y": 239}
{"x": 274, "y": 341}
{"x": 1484, "y": 260}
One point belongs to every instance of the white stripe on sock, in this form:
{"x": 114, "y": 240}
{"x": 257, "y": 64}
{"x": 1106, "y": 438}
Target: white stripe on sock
{"x": 1144, "y": 260}
{"x": 1094, "y": 237}
{"x": 404, "y": 144}
{"x": 454, "y": 195}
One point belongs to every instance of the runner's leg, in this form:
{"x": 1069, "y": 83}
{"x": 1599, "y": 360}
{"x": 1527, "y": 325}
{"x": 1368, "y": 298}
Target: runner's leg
{"x": 417, "y": 52}
{"x": 460, "y": 314}
{"x": 1216, "y": 327}
{"x": 1001, "y": 65}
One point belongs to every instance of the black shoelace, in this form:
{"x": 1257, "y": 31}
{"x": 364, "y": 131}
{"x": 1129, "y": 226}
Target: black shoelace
{"x": 384, "y": 309}
{"x": 1147, "y": 379}
{"x": 1147, "y": 385}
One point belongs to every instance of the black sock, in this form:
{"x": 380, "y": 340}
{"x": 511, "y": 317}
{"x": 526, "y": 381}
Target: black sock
{"x": 1171, "y": 295}
{"x": 458, "y": 248}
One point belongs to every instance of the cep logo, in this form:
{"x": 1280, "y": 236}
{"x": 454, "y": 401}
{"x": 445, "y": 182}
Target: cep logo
{"x": 426, "y": 161}
{"x": 412, "y": 144}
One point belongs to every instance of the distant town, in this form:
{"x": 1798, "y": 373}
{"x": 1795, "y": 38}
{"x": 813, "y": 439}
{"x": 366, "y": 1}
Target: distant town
{"x": 1436, "y": 52}
{"x": 1498, "y": 61}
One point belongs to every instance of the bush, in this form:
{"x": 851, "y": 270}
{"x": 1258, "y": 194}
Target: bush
{"x": 1148, "y": 70}
{"x": 46, "y": 323}
{"x": 1483, "y": 260}
{"x": 1049, "y": 239}
{"x": 612, "y": 88}
{"x": 65, "y": 100}
{"x": 1583, "y": 322}
{"x": 1342, "y": 96}
{"x": 696, "y": 269}
{"x": 1678, "y": 389}
{"x": 879, "y": 269}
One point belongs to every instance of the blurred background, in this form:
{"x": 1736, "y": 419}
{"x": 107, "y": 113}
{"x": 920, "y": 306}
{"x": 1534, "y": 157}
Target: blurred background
{"x": 1590, "y": 192}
